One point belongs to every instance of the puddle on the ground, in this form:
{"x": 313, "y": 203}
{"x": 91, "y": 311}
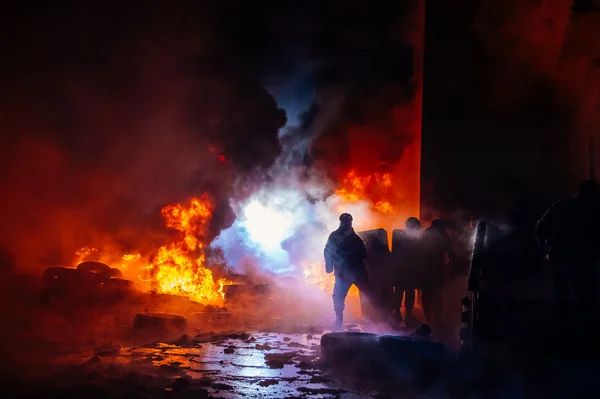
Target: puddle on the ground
{"x": 261, "y": 365}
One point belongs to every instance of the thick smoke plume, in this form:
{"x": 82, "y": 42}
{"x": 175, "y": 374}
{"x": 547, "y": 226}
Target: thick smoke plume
{"x": 107, "y": 115}
{"x": 363, "y": 121}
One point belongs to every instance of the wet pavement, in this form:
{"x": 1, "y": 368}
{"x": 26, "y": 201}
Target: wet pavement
{"x": 224, "y": 365}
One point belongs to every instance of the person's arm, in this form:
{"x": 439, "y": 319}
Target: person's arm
{"x": 329, "y": 254}
{"x": 361, "y": 249}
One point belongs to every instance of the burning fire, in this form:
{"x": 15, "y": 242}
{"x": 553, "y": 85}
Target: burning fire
{"x": 179, "y": 268}
{"x": 374, "y": 186}
{"x": 315, "y": 275}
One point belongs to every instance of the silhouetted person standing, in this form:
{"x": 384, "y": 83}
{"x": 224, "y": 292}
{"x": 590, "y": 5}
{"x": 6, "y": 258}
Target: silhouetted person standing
{"x": 406, "y": 265}
{"x": 437, "y": 252}
{"x": 345, "y": 252}
{"x": 570, "y": 233}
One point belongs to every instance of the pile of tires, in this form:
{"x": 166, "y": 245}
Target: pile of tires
{"x": 88, "y": 279}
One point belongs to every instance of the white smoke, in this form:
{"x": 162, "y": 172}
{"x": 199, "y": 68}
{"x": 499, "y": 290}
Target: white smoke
{"x": 286, "y": 222}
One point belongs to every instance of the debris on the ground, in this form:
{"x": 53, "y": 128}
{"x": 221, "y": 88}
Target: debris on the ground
{"x": 267, "y": 383}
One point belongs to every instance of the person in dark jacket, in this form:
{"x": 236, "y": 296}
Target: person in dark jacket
{"x": 345, "y": 252}
{"x": 437, "y": 254}
{"x": 406, "y": 263}
{"x": 569, "y": 232}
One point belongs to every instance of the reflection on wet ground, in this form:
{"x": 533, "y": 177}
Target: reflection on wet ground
{"x": 225, "y": 365}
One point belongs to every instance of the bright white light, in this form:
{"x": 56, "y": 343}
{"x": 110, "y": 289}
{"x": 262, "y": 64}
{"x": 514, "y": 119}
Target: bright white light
{"x": 267, "y": 226}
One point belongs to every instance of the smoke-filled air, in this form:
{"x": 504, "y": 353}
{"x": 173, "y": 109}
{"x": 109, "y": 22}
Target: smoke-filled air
{"x": 179, "y": 155}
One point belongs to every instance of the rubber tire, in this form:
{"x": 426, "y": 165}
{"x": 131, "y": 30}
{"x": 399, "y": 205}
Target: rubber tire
{"x": 160, "y": 323}
{"x": 117, "y": 284}
{"x": 95, "y": 268}
{"x": 411, "y": 357}
{"x": 60, "y": 280}
{"x": 115, "y": 273}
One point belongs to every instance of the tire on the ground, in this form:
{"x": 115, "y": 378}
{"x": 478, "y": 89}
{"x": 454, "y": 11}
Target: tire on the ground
{"x": 97, "y": 268}
{"x": 112, "y": 284}
{"x": 59, "y": 279}
{"x": 159, "y": 323}
{"x": 343, "y": 346}
{"x": 364, "y": 353}
{"x": 115, "y": 273}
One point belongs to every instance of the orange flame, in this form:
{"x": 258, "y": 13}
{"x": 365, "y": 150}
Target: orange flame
{"x": 315, "y": 275}
{"x": 179, "y": 268}
{"x": 373, "y": 186}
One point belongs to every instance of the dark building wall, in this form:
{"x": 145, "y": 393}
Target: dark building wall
{"x": 495, "y": 125}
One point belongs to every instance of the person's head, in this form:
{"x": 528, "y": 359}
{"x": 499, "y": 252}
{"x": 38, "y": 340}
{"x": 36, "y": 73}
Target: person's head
{"x": 438, "y": 224}
{"x": 412, "y": 224}
{"x": 345, "y": 220}
{"x": 589, "y": 190}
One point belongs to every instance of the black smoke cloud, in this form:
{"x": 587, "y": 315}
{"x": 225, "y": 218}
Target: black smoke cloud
{"x": 363, "y": 73}
{"x": 108, "y": 114}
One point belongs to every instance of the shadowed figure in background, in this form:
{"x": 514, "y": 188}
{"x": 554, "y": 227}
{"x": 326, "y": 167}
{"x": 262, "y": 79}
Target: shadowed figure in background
{"x": 345, "y": 253}
{"x": 406, "y": 264}
{"x": 569, "y": 232}
{"x": 437, "y": 252}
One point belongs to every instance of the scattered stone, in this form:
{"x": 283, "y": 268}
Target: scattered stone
{"x": 229, "y": 350}
{"x": 295, "y": 345}
{"x": 285, "y": 358}
{"x": 306, "y": 358}
{"x": 309, "y": 337}
{"x": 264, "y": 347}
{"x": 274, "y": 364}
{"x": 305, "y": 365}
{"x": 268, "y": 383}
{"x": 251, "y": 339}
{"x": 287, "y": 339}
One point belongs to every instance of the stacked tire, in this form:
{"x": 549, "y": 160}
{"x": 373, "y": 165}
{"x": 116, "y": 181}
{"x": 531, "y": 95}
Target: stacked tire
{"x": 89, "y": 279}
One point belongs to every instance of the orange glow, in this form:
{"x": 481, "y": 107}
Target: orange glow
{"x": 128, "y": 258}
{"x": 179, "y": 268}
{"x": 315, "y": 275}
{"x": 375, "y": 187}
{"x": 84, "y": 253}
